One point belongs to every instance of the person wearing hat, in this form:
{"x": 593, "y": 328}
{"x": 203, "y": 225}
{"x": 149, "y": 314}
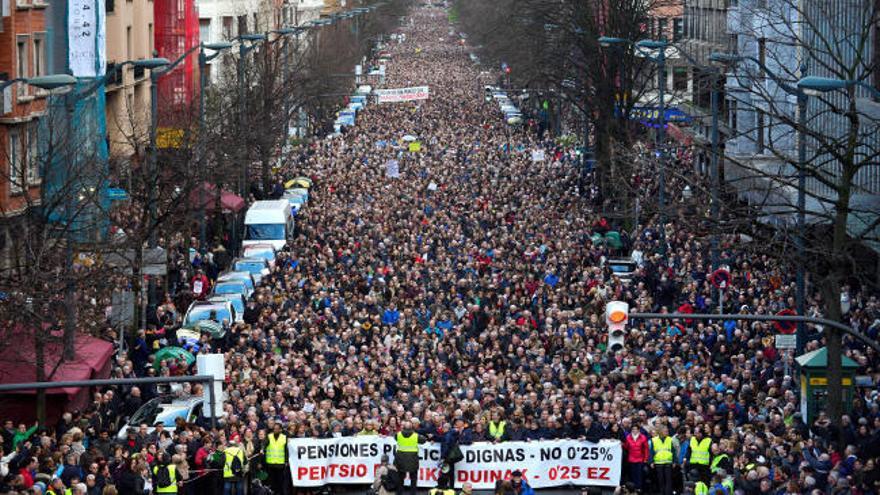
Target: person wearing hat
{"x": 520, "y": 486}
{"x": 276, "y": 459}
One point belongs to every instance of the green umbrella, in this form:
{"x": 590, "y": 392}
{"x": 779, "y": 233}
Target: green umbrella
{"x": 173, "y": 353}
{"x": 612, "y": 238}
{"x": 215, "y": 329}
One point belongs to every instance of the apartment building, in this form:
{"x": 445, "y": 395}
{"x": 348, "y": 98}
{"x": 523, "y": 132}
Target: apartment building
{"x": 23, "y": 52}
{"x": 129, "y": 36}
{"x": 221, "y": 20}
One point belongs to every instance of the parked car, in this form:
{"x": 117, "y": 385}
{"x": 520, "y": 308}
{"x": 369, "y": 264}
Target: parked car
{"x": 258, "y": 267}
{"x": 245, "y": 277}
{"x": 623, "y": 268}
{"x": 266, "y": 251}
{"x": 237, "y": 301}
{"x": 164, "y": 409}
{"x": 205, "y": 310}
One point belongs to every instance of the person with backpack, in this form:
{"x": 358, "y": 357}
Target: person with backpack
{"x": 387, "y": 478}
{"x": 233, "y": 469}
{"x": 164, "y": 474}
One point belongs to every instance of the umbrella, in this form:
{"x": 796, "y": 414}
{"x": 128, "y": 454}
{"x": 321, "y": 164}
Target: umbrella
{"x": 173, "y": 353}
{"x": 215, "y": 329}
{"x": 303, "y": 182}
{"x": 409, "y": 138}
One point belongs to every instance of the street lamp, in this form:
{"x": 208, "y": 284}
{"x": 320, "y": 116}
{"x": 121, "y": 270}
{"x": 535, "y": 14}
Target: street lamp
{"x": 800, "y": 92}
{"x": 50, "y": 82}
{"x": 660, "y": 60}
{"x": 815, "y": 85}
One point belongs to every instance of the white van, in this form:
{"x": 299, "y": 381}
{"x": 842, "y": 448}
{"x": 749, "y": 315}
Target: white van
{"x": 269, "y": 222}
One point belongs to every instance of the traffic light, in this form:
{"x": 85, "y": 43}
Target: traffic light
{"x": 616, "y": 317}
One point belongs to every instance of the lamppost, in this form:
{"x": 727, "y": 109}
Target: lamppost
{"x": 204, "y": 58}
{"x": 49, "y": 82}
{"x": 732, "y": 59}
{"x": 660, "y": 60}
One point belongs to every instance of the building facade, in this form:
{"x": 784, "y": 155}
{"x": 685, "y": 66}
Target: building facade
{"x": 23, "y": 52}
{"x": 130, "y": 32}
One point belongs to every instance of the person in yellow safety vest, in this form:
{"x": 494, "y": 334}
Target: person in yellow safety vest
{"x": 663, "y": 459}
{"x": 276, "y": 460}
{"x": 441, "y": 491}
{"x": 172, "y": 476}
{"x": 496, "y": 427}
{"x": 406, "y": 459}
{"x": 720, "y": 459}
{"x": 233, "y": 469}
{"x": 700, "y": 447}
{"x": 701, "y": 488}
{"x": 56, "y": 487}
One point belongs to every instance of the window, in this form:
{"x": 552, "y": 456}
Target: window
{"x": 679, "y": 78}
{"x": 677, "y": 29}
{"x": 109, "y": 6}
{"x": 150, "y": 39}
{"x": 759, "y": 128}
{"x": 205, "y": 30}
{"x": 661, "y": 28}
{"x": 22, "y": 65}
{"x": 227, "y": 28}
{"x": 128, "y": 46}
{"x": 242, "y": 25}
{"x": 39, "y": 55}
{"x": 14, "y": 156}
{"x": 33, "y": 156}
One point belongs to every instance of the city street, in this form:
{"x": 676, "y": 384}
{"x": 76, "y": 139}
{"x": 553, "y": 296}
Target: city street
{"x": 448, "y": 283}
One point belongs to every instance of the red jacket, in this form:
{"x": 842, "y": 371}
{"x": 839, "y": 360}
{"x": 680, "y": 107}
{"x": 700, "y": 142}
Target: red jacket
{"x": 636, "y": 450}
{"x": 200, "y": 286}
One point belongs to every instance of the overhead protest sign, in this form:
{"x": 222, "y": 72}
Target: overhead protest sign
{"x": 392, "y": 169}
{"x": 402, "y": 94}
{"x": 354, "y": 460}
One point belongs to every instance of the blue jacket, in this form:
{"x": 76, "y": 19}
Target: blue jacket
{"x": 525, "y": 489}
{"x": 452, "y": 437}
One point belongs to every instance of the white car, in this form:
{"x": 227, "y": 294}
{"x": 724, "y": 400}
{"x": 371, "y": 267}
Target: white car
{"x": 266, "y": 251}
{"x": 201, "y": 310}
{"x": 165, "y": 410}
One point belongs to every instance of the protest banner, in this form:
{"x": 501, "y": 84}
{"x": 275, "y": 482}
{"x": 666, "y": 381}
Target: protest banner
{"x": 402, "y": 94}
{"x": 537, "y": 155}
{"x": 415, "y": 146}
{"x": 392, "y": 169}
{"x": 549, "y": 463}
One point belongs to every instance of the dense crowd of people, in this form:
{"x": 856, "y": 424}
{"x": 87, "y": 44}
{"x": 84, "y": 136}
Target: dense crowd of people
{"x": 469, "y": 291}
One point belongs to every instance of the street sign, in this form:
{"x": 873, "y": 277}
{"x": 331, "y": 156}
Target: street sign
{"x": 786, "y": 327}
{"x": 786, "y": 342}
{"x": 721, "y": 278}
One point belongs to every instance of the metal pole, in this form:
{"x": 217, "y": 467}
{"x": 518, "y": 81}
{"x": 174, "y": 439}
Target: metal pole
{"x": 153, "y": 240}
{"x": 801, "y": 218}
{"x": 15, "y": 387}
{"x": 796, "y": 319}
{"x": 203, "y": 82}
{"x": 661, "y": 148}
{"x": 715, "y": 175}
{"x": 242, "y": 53}
{"x": 69, "y": 286}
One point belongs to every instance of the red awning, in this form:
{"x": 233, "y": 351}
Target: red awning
{"x": 679, "y": 135}
{"x": 207, "y": 195}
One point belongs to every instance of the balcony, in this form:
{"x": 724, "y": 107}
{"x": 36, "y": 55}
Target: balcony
{"x": 114, "y": 74}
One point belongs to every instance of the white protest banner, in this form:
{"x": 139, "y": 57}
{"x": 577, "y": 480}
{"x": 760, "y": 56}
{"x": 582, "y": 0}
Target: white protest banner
{"x": 392, "y": 169}
{"x": 85, "y": 38}
{"x": 538, "y": 155}
{"x": 402, "y": 94}
{"x": 549, "y": 463}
